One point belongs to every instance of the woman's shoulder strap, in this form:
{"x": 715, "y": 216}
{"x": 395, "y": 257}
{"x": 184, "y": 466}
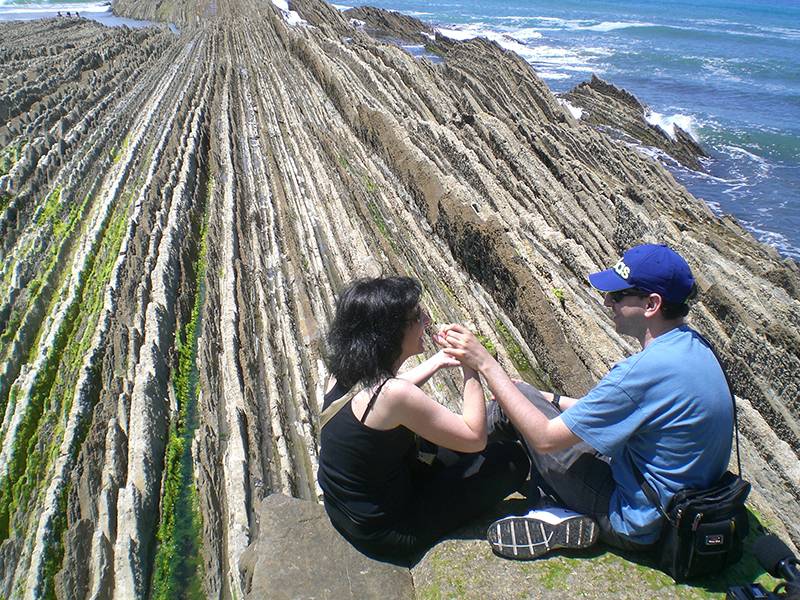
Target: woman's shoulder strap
{"x": 372, "y": 400}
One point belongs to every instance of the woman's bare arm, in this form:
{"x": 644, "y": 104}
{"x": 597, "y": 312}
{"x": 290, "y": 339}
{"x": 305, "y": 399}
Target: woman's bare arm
{"x": 402, "y": 403}
{"x": 420, "y": 374}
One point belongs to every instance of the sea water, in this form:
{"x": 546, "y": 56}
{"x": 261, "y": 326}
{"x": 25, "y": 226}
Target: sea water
{"x": 726, "y": 71}
{"x": 100, "y": 11}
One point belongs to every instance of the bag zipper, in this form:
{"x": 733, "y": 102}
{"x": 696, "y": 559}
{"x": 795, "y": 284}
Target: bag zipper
{"x": 696, "y": 522}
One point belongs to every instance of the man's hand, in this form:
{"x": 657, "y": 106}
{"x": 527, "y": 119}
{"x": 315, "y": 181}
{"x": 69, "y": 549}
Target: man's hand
{"x": 460, "y": 343}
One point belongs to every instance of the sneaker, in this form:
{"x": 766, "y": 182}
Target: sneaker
{"x": 541, "y": 531}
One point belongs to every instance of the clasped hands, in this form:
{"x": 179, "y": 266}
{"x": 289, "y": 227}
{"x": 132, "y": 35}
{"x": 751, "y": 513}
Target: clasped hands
{"x": 459, "y": 343}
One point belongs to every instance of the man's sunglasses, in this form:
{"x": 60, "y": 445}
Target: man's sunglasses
{"x": 619, "y": 295}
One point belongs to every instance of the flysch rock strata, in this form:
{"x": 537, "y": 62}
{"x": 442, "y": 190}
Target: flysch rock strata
{"x": 605, "y": 105}
{"x": 228, "y": 181}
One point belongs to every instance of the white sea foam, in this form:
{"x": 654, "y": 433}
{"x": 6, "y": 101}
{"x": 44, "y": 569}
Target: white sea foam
{"x": 777, "y": 240}
{"x": 550, "y": 23}
{"x": 598, "y": 51}
{"x": 762, "y": 164}
{"x": 551, "y": 75}
{"x": 720, "y": 68}
{"x": 574, "y": 110}
{"x": 42, "y": 9}
{"x": 550, "y": 62}
{"x": 793, "y": 34}
{"x": 291, "y": 17}
{"x": 341, "y": 6}
{"x": 606, "y": 26}
{"x": 527, "y": 33}
{"x": 667, "y": 123}
{"x": 458, "y": 34}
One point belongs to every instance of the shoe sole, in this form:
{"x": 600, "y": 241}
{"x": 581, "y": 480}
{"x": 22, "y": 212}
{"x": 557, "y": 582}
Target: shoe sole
{"x": 527, "y": 537}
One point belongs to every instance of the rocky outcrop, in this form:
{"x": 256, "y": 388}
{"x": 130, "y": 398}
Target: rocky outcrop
{"x": 298, "y": 554}
{"x": 177, "y": 214}
{"x": 607, "y": 106}
{"x": 390, "y": 24}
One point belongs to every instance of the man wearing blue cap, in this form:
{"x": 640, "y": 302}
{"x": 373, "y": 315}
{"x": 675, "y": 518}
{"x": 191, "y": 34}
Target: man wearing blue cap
{"x": 665, "y": 411}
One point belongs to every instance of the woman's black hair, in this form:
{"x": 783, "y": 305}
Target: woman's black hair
{"x": 366, "y": 336}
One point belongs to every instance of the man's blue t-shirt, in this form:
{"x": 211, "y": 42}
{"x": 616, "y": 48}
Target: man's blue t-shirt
{"x": 667, "y": 410}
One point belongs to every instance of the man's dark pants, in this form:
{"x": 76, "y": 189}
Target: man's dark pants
{"x": 579, "y": 476}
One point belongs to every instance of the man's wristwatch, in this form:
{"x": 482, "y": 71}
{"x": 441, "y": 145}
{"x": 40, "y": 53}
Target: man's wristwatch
{"x": 556, "y": 401}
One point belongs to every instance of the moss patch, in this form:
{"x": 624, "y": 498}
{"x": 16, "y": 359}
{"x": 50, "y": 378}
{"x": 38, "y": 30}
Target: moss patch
{"x": 535, "y": 377}
{"x": 10, "y": 155}
{"x": 38, "y": 438}
{"x": 467, "y": 569}
{"x": 177, "y": 571}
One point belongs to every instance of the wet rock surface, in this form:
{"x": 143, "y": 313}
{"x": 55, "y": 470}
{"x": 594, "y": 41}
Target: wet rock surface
{"x": 177, "y": 214}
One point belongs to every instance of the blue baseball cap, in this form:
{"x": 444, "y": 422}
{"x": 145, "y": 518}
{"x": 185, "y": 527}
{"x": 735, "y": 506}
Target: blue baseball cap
{"x": 651, "y": 268}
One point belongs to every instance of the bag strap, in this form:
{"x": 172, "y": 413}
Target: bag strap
{"x": 335, "y": 406}
{"x": 648, "y": 490}
{"x": 733, "y": 399}
{"x": 650, "y": 493}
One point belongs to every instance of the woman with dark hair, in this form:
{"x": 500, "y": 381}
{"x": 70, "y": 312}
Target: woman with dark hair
{"x": 378, "y": 494}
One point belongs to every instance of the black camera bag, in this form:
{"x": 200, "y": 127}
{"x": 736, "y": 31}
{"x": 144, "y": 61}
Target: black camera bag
{"x": 703, "y": 530}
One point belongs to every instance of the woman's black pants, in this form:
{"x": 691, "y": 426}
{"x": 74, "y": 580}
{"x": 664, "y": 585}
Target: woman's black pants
{"x": 453, "y": 490}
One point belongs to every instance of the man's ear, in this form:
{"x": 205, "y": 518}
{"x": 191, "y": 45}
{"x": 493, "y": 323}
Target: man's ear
{"x": 654, "y": 302}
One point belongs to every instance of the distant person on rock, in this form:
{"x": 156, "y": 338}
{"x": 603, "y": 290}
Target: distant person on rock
{"x": 387, "y": 488}
{"x": 665, "y": 411}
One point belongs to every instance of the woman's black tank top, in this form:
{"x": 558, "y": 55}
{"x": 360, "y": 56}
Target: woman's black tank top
{"x": 364, "y": 472}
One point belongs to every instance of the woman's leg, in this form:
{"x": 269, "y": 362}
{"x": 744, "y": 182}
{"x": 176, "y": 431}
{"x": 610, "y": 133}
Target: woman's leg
{"x": 449, "y": 497}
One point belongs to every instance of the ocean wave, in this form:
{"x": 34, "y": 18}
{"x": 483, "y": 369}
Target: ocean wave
{"x": 751, "y": 29}
{"x": 550, "y": 62}
{"x": 720, "y": 68}
{"x": 667, "y": 123}
{"x": 614, "y": 25}
{"x": 42, "y": 9}
{"x": 526, "y": 33}
{"x": 763, "y": 166}
{"x": 551, "y": 75}
{"x": 573, "y": 110}
{"x": 777, "y": 240}
{"x": 542, "y": 23}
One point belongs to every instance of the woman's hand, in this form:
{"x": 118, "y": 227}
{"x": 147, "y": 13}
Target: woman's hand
{"x": 426, "y": 369}
{"x": 459, "y": 342}
{"x": 442, "y": 360}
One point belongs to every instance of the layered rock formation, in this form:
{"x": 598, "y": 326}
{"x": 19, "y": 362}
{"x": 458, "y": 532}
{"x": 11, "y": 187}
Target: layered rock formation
{"x": 178, "y": 213}
{"x": 607, "y": 106}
